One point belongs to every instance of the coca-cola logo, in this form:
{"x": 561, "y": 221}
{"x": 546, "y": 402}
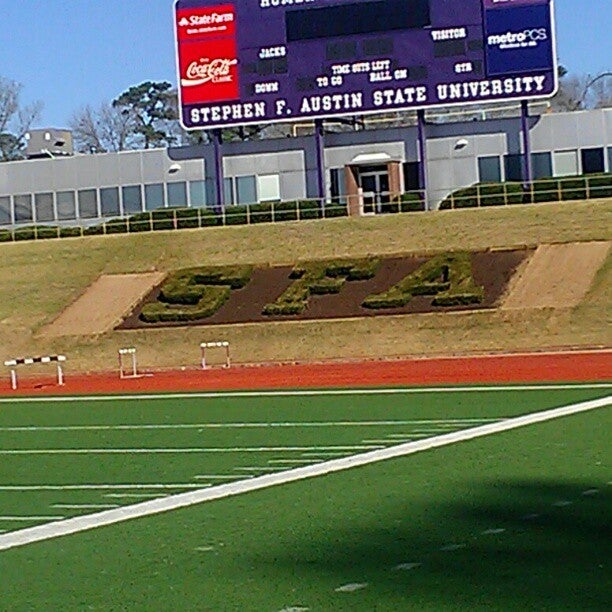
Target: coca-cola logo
{"x": 206, "y": 70}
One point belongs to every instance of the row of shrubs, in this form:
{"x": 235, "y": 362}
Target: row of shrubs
{"x": 543, "y": 190}
{"x": 184, "y": 218}
{"x": 319, "y": 278}
{"x": 195, "y": 293}
{"x": 448, "y": 277}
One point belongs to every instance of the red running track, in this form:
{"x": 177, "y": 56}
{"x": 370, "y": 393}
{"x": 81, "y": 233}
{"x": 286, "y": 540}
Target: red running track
{"x": 587, "y": 366}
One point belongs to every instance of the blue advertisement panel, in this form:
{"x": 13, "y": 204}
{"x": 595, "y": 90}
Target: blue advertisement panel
{"x": 518, "y": 39}
{"x": 260, "y": 61}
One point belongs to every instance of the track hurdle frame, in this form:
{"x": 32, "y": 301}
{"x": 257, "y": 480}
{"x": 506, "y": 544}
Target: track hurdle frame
{"x": 123, "y": 371}
{"x": 212, "y": 345}
{"x": 57, "y": 359}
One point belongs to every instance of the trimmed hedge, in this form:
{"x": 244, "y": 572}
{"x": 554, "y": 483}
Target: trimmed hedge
{"x": 195, "y": 293}
{"x": 406, "y": 202}
{"x": 6, "y": 236}
{"x": 211, "y": 299}
{"x": 489, "y": 194}
{"x": 40, "y": 232}
{"x": 319, "y": 278}
{"x": 448, "y": 277}
{"x": 542, "y": 190}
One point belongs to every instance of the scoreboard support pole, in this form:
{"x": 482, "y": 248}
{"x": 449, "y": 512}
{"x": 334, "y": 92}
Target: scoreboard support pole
{"x": 220, "y": 193}
{"x": 527, "y": 166}
{"x": 422, "y": 145}
{"x": 319, "y": 145}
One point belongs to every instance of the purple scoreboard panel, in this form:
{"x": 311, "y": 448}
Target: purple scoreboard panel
{"x": 258, "y": 61}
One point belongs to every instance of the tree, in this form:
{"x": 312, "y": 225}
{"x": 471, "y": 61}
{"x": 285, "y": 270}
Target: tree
{"x": 101, "y": 130}
{"x": 580, "y": 92}
{"x": 15, "y": 120}
{"x": 148, "y": 108}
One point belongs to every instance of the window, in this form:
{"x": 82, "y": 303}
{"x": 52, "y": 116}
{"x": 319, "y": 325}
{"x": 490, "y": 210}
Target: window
{"x": 228, "y": 191}
{"x": 337, "y": 184}
{"x": 43, "y": 203}
{"x": 109, "y": 201}
{"x": 513, "y": 165}
{"x": 88, "y": 204}
{"x": 5, "y": 210}
{"x": 65, "y": 205}
{"x": 154, "y": 196}
{"x": 23, "y": 208}
{"x": 592, "y": 161}
{"x": 177, "y": 194}
{"x": 489, "y": 169}
{"x": 132, "y": 199}
{"x": 268, "y": 187}
{"x": 565, "y": 163}
{"x": 541, "y": 165}
{"x": 246, "y": 190}
{"x": 197, "y": 193}
{"x": 411, "y": 176}
{"x": 609, "y": 159}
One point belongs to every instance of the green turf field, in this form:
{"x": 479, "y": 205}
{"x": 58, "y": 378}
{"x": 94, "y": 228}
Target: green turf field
{"x": 515, "y": 520}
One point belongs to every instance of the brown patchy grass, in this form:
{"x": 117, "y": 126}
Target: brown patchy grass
{"x": 38, "y": 280}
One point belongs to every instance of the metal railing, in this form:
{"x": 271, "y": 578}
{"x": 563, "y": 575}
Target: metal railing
{"x": 475, "y": 196}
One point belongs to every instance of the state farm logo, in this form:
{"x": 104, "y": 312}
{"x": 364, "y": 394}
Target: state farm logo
{"x": 203, "y": 20}
{"x": 208, "y": 71}
{"x": 518, "y": 40}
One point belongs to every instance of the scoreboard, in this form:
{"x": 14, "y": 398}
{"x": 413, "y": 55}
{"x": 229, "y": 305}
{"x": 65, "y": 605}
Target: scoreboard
{"x": 259, "y": 61}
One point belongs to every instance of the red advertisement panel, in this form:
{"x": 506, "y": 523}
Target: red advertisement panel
{"x": 208, "y": 71}
{"x": 206, "y": 22}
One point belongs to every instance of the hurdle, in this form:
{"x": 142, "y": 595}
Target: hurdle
{"x": 57, "y": 359}
{"x": 124, "y": 371}
{"x": 213, "y": 345}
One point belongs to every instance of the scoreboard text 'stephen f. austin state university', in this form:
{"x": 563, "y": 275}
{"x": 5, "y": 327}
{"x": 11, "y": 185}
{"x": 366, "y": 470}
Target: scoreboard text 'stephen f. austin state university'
{"x": 257, "y": 61}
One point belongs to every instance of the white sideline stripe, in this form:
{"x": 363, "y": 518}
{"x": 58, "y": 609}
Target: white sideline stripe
{"x": 182, "y": 500}
{"x": 157, "y": 451}
{"x": 87, "y": 487}
{"x": 303, "y": 393}
{"x": 452, "y": 423}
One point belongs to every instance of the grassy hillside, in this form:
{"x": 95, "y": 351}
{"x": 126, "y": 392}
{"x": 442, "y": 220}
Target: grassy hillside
{"x": 38, "y": 280}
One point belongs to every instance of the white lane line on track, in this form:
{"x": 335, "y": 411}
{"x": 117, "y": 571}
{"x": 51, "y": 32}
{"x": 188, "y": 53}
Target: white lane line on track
{"x": 303, "y": 393}
{"x": 182, "y": 500}
{"x": 296, "y": 424}
{"x": 156, "y": 451}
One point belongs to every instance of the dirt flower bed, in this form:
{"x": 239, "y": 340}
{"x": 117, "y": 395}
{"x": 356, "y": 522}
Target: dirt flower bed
{"x": 491, "y": 270}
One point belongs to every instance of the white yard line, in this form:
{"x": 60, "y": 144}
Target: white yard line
{"x": 182, "y": 500}
{"x": 156, "y": 451}
{"x": 300, "y": 393}
{"x": 215, "y": 476}
{"x": 290, "y": 461}
{"x": 27, "y": 519}
{"x": 154, "y": 426}
{"x": 134, "y": 495}
{"x": 84, "y": 506}
{"x": 87, "y": 487}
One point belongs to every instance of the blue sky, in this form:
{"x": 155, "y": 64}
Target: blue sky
{"x": 69, "y": 53}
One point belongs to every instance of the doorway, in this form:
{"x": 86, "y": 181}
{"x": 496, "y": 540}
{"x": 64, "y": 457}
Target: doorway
{"x": 374, "y": 184}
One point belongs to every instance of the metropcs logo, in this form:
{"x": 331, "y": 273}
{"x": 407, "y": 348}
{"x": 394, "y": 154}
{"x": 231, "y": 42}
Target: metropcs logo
{"x": 518, "y": 40}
